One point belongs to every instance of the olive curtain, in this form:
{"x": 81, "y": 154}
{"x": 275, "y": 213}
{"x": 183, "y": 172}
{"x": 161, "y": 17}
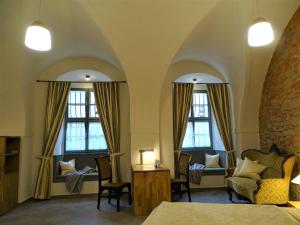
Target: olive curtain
{"x": 182, "y": 100}
{"x": 219, "y": 100}
{"x": 107, "y": 101}
{"x": 55, "y": 110}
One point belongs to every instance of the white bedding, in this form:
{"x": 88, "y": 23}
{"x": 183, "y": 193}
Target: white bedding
{"x": 221, "y": 214}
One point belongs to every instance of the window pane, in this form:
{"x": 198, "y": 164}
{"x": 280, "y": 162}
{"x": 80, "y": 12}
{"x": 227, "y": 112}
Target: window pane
{"x": 200, "y": 104}
{"x": 75, "y": 137}
{"x": 77, "y": 97}
{"x": 202, "y": 138}
{"x": 93, "y": 111}
{"x": 188, "y": 140}
{"x": 96, "y": 137}
{"x": 92, "y": 98}
{"x": 76, "y": 104}
{"x": 93, "y": 108}
{"x": 76, "y": 111}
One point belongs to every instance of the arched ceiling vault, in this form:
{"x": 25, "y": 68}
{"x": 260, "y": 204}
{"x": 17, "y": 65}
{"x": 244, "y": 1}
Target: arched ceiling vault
{"x": 147, "y": 34}
{"x": 74, "y": 33}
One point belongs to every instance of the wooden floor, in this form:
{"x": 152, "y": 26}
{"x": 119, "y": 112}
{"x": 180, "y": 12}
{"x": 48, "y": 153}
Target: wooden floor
{"x": 82, "y": 211}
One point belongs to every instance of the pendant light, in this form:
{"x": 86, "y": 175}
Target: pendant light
{"x": 260, "y": 33}
{"x": 38, "y": 36}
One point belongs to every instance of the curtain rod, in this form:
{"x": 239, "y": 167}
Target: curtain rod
{"x": 199, "y": 83}
{"x": 83, "y": 82}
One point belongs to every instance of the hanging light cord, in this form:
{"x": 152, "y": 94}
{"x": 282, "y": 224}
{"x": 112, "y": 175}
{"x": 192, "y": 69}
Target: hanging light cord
{"x": 39, "y": 13}
{"x": 257, "y": 8}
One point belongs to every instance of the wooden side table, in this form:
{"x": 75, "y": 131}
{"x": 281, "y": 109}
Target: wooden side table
{"x": 295, "y": 204}
{"x": 150, "y": 187}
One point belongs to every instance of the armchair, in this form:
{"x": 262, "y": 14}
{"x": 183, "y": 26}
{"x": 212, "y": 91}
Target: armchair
{"x": 273, "y": 188}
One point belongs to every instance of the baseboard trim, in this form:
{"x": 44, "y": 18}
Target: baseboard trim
{"x": 104, "y": 195}
{"x": 208, "y": 189}
{"x": 29, "y": 199}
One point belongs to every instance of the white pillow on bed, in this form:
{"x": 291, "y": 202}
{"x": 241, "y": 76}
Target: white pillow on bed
{"x": 251, "y": 169}
{"x": 212, "y": 161}
{"x": 67, "y": 167}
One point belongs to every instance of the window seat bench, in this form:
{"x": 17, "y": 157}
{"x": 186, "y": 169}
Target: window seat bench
{"x": 213, "y": 171}
{"x": 81, "y": 160}
{"x": 210, "y": 177}
{"x": 198, "y": 156}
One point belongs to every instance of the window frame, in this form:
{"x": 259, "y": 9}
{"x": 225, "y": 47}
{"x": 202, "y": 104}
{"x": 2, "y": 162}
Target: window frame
{"x": 201, "y": 119}
{"x": 86, "y": 120}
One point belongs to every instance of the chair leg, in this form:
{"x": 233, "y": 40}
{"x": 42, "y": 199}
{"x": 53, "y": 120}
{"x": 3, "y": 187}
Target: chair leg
{"x": 109, "y": 196}
{"x": 180, "y": 191}
{"x": 118, "y": 193}
{"x": 99, "y": 198}
{"x": 229, "y": 193}
{"x": 189, "y": 191}
{"x": 129, "y": 193}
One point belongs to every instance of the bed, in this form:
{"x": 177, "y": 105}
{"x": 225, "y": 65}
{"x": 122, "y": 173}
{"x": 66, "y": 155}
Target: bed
{"x": 222, "y": 214}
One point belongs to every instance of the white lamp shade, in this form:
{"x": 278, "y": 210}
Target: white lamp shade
{"x": 148, "y": 157}
{"x": 260, "y": 33}
{"x": 38, "y": 37}
{"x": 296, "y": 180}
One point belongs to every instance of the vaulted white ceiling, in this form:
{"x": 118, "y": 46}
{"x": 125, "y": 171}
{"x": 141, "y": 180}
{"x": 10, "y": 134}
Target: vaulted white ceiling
{"x": 213, "y": 31}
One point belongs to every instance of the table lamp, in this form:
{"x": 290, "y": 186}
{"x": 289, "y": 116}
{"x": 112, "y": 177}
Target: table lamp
{"x": 146, "y": 155}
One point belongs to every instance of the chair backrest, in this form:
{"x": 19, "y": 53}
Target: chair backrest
{"x": 104, "y": 167}
{"x": 184, "y": 163}
{"x": 273, "y": 161}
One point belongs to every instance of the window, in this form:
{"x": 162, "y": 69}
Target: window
{"x": 83, "y": 130}
{"x": 198, "y": 132}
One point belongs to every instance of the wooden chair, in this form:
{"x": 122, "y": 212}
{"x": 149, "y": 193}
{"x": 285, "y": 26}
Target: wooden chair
{"x": 183, "y": 175}
{"x": 114, "y": 189}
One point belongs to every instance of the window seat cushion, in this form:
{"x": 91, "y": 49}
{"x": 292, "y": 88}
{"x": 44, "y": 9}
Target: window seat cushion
{"x": 198, "y": 156}
{"x": 213, "y": 171}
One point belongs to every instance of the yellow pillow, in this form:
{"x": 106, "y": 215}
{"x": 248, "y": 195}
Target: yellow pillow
{"x": 67, "y": 167}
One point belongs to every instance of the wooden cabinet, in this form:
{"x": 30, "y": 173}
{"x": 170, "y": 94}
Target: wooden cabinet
{"x": 9, "y": 172}
{"x": 150, "y": 187}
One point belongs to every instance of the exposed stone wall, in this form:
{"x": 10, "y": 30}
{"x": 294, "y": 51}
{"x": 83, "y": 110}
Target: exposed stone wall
{"x": 279, "y": 117}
